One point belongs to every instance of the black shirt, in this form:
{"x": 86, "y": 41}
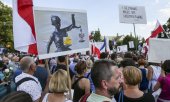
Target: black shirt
{"x": 78, "y": 92}
{"x": 147, "y": 97}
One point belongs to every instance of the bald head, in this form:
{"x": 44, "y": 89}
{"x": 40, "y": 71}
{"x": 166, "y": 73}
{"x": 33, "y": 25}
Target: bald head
{"x": 26, "y": 63}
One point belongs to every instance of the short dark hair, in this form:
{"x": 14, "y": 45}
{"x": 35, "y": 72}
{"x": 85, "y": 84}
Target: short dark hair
{"x": 166, "y": 66}
{"x": 113, "y": 56}
{"x": 127, "y": 62}
{"x": 61, "y": 58}
{"x": 18, "y": 96}
{"x": 128, "y": 55}
{"x": 103, "y": 55}
{"x": 101, "y": 70}
{"x": 80, "y": 67}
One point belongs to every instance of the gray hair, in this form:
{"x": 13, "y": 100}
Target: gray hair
{"x": 101, "y": 70}
{"x": 25, "y": 63}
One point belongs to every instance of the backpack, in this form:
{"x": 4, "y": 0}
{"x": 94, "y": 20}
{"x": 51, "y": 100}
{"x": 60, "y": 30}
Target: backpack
{"x": 24, "y": 80}
{"x": 145, "y": 82}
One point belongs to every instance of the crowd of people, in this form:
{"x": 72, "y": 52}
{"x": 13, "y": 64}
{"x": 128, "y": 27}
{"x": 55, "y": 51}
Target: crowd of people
{"x": 127, "y": 77}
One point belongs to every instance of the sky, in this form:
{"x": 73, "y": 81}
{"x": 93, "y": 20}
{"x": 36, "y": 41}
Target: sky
{"x": 104, "y": 14}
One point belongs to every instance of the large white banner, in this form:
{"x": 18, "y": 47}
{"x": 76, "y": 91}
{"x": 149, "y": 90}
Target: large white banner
{"x": 122, "y": 48}
{"x": 159, "y": 50}
{"x": 132, "y": 14}
{"x": 60, "y": 32}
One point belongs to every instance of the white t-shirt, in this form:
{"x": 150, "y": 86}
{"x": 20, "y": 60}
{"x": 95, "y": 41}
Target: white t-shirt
{"x": 45, "y": 99}
{"x": 31, "y": 87}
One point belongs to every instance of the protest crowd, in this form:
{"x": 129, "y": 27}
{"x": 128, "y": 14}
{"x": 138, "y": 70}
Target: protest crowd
{"x": 113, "y": 77}
{"x": 53, "y": 58}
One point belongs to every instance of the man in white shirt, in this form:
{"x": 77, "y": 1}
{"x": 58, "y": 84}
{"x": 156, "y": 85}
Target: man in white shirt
{"x": 31, "y": 85}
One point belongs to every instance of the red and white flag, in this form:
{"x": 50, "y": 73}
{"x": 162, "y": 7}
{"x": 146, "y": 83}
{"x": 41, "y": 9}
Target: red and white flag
{"x": 95, "y": 50}
{"x": 23, "y": 26}
{"x": 158, "y": 29}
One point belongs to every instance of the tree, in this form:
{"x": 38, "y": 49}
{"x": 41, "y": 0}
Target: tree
{"x": 6, "y": 37}
{"x": 143, "y": 40}
{"x": 130, "y": 38}
{"x": 97, "y": 36}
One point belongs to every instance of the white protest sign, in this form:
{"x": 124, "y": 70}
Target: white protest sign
{"x": 60, "y": 31}
{"x": 1, "y": 50}
{"x": 132, "y": 14}
{"x": 122, "y": 48}
{"x": 131, "y": 44}
{"x": 159, "y": 50}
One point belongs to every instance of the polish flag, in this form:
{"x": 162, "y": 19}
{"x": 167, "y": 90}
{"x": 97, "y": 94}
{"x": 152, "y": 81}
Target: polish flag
{"x": 158, "y": 29}
{"x": 95, "y": 50}
{"x": 23, "y": 26}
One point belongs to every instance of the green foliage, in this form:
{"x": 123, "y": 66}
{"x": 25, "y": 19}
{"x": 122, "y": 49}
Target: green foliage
{"x": 6, "y": 37}
{"x": 97, "y": 36}
{"x": 143, "y": 40}
{"x": 130, "y": 38}
{"x": 120, "y": 42}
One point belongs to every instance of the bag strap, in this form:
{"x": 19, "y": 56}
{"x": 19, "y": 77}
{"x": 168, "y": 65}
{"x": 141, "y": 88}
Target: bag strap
{"x": 77, "y": 81}
{"x": 88, "y": 75}
{"x": 24, "y": 80}
{"x": 121, "y": 94}
{"x": 84, "y": 97}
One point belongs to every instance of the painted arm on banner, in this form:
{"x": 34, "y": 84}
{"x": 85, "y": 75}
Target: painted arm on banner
{"x": 73, "y": 25}
{"x": 50, "y": 42}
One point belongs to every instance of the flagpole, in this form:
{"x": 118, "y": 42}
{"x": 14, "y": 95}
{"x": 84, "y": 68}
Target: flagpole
{"x": 134, "y": 30}
{"x": 70, "y": 94}
{"x": 135, "y": 35}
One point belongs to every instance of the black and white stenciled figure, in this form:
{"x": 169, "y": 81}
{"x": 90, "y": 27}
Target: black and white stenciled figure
{"x": 59, "y": 34}
{"x": 81, "y": 36}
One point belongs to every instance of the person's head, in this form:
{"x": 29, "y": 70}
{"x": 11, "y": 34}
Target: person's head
{"x": 61, "y": 59}
{"x": 5, "y": 60}
{"x": 81, "y": 67}
{"x": 127, "y": 62}
{"x": 89, "y": 63}
{"x": 27, "y": 64}
{"x": 103, "y": 55}
{"x": 106, "y": 77}
{"x": 88, "y": 53}
{"x": 132, "y": 75}
{"x": 75, "y": 60}
{"x": 18, "y": 96}
{"x": 135, "y": 58}
{"x": 141, "y": 62}
{"x": 55, "y": 20}
{"x": 113, "y": 56}
{"x": 166, "y": 66}
{"x": 10, "y": 56}
{"x": 128, "y": 55}
{"x": 59, "y": 82}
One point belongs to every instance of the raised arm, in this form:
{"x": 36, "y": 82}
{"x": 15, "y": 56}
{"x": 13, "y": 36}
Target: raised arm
{"x": 74, "y": 22}
{"x": 73, "y": 25}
